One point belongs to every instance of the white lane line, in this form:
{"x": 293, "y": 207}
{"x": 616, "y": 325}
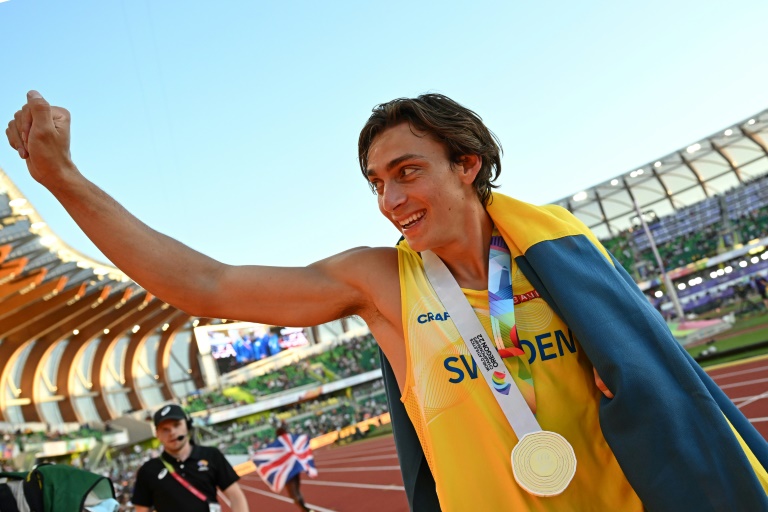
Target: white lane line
{"x": 356, "y": 459}
{"x": 283, "y": 498}
{"x": 752, "y": 400}
{"x": 346, "y": 470}
{"x": 758, "y": 420}
{"x": 357, "y": 486}
{"x": 745, "y": 383}
{"x": 740, "y": 372}
{"x": 324, "y": 455}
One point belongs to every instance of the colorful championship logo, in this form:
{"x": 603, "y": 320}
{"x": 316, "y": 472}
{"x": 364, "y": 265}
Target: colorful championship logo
{"x": 498, "y": 383}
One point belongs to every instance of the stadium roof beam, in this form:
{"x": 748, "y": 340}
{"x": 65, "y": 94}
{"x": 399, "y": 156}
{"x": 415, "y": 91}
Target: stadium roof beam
{"x": 163, "y": 355}
{"x": 107, "y": 344}
{"x": 22, "y": 284}
{"x": 724, "y": 154}
{"x": 695, "y": 172}
{"x": 664, "y": 188}
{"x": 602, "y": 211}
{"x": 44, "y": 346}
{"x": 133, "y": 354}
{"x": 20, "y": 301}
{"x": 757, "y": 139}
{"x": 115, "y": 310}
{"x": 194, "y": 358}
{"x": 38, "y": 319}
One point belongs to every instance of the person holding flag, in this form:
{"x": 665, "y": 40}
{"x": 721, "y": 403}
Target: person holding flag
{"x": 281, "y": 463}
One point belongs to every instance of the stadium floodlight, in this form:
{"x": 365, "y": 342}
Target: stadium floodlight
{"x": 657, "y": 164}
{"x": 755, "y": 259}
{"x": 19, "y": 201}
{"x": 728, "y": 269}
{"x": 764, "y": 256}
{"x": 614, "y": 182}
{"x": 196, "y": 322}
{"x": 135, "y": 329}
{"x": 728, "y": 132}
{"x": 681, "y": 286}
{"x": 48, "y": 240}
{"x": 633, "y": 174}
{"x": 165, "y": 327}
{"x": 106, "y": 331}
{"x": 742, "y": 263}
{"x": 713, "y": 274}
{"x": 693, "y": 148}
{"x": 720, "y": 272}
{"x": 751, "y": 122}
{"x": 640, "y": 172}
{"x": 37, "y": 225}
{"x": 658, "y": 294}
{"x": 580, "y": 196}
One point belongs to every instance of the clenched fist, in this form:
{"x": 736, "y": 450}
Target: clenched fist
{"x": 40, "y": 133}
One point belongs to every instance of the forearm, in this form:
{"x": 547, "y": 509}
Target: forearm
{"x": 236, "y": 497}
{"x": 239, "y": 504}
{"x": 165, "y": 267}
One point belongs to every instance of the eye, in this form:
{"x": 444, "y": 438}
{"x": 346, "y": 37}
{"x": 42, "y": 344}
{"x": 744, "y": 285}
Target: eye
{"x": 407, "y": 171}
{"x": 376, "y": 187}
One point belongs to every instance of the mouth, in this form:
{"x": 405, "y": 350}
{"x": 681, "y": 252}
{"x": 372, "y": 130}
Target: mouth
{"x": 412, "y": 220}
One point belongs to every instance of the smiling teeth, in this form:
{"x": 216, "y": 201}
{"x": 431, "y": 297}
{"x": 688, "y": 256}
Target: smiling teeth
{"x": 412, "y": 218}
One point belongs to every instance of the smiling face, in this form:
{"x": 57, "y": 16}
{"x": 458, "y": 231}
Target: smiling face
{"x": 168, "y": 433}
{"x": 425, "y": 196}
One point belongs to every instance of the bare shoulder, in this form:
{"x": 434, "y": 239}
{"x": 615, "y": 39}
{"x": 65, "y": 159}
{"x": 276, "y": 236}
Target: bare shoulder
{"x": 373, "y": 271}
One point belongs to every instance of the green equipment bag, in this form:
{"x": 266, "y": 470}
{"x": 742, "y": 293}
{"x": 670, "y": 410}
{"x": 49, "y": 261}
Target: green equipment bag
{"x": 52, "y": 488}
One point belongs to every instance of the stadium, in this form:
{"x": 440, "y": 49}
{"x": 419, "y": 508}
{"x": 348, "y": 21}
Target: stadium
{"x": 87, "y": 354}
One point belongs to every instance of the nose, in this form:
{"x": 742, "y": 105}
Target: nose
{"x": 393, "y": 196}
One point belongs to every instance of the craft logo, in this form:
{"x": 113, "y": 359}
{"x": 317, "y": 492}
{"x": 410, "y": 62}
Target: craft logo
{"x": 431, "y": 317}
{"x": 498, "y": 383}
{"x": 162, "y": 474}
{"x": 202, "y": 465}
{"x": 165, "y": 410}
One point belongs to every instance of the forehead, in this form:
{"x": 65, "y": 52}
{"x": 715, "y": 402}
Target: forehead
{"x": 168, "y": 423}
{"x": 402, "y": 139}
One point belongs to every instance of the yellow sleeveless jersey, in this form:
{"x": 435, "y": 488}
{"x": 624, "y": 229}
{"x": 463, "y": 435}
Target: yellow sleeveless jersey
{"x": 466, "y": 438}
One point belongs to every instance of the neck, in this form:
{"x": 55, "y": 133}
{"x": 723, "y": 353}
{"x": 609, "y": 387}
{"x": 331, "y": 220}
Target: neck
{"x": 467, "y": 259}
{"x": 182, "y": 453}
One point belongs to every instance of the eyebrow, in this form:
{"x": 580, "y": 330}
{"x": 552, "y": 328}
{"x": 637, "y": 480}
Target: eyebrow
{"x": 394, "y": 163}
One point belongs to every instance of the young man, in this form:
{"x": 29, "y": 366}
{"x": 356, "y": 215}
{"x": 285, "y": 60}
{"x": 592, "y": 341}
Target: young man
{"x": 654, "y": 432}
{"x": 185, "y": 476}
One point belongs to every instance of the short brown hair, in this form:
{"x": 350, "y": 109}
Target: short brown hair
{"x": 460, "y": 129}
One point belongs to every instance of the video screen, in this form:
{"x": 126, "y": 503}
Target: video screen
{"x": 236, "y": 345}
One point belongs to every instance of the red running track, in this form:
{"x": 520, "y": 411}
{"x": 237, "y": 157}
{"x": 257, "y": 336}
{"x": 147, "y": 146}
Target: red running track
{"x": 366, "y": 476}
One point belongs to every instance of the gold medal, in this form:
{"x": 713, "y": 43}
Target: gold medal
{"x": 543, "y": 463}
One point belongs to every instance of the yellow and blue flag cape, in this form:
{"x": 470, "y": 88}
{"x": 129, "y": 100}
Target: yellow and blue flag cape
{"x": 668, "y": 422}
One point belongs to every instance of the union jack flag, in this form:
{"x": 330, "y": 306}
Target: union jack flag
{"x": 284, "y": 458}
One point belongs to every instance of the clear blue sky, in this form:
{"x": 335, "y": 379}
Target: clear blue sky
{"x": 232, "y": 126}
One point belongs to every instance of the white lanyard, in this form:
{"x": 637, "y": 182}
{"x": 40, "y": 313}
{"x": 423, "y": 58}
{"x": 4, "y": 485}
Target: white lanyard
{"x": 543, "y": 462}
{"x": 512, "y": 404}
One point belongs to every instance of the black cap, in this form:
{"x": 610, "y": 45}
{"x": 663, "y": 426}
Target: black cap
{"x": 169, "y": 412}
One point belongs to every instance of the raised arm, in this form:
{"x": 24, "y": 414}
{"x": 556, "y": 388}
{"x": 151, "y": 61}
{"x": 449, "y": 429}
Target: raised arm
{"x": 177, "y": 274}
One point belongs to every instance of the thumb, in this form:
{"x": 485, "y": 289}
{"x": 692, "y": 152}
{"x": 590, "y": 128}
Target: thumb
{"x": 40, "y": 110}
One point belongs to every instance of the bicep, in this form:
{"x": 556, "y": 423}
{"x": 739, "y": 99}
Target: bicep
{"x": 296, "y": 296}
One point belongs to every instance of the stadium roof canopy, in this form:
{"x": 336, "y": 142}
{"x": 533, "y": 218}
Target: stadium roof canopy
{"x": 708, "y": 167}
{"x": 80, "y": 341}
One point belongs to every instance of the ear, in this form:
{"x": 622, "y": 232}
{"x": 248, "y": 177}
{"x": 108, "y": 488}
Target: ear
{"x": 469, "y": 166}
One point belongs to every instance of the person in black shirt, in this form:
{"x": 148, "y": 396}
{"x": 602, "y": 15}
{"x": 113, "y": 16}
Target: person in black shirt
{"x": 185, "y": 476}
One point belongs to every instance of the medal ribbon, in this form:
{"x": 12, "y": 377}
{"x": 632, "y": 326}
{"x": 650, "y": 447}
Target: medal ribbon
{"x": 188, "y": 486}
{"x": 501, "y": 304}
{"x": 543, "y": 462}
